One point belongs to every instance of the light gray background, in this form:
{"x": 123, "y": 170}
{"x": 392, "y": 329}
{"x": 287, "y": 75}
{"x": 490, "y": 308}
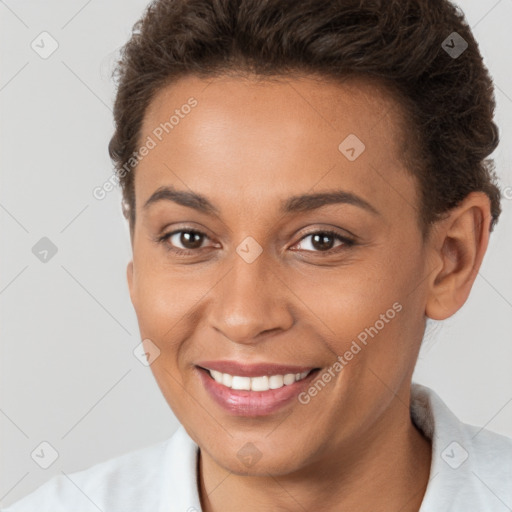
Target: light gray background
{"x": 68, "y": 373}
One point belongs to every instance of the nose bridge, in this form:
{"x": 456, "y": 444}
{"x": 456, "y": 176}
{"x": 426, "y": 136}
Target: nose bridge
{"x": 249, "y": 299}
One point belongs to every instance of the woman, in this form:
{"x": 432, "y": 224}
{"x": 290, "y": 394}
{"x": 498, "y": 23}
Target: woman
{"x": 305, "y": 183}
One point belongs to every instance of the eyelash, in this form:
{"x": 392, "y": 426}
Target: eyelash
{"x": 347, "y": 242}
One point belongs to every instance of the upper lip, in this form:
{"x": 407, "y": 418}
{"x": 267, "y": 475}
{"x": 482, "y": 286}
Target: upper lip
{"x": 252, "y": 370}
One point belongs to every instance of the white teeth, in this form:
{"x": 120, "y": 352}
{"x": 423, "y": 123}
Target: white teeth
{"x": 275, "y": 381}
{"x": 216, "y": 375}
{"x": 289, "y": 378}
{"x": 241, "y": 383}
{"x": 227, "y": 379}
{"x": 259, "y": 383}
{"x": 263, "y": 383}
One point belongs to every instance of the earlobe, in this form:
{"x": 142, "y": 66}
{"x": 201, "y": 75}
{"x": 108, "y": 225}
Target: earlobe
{"x": 461, "y": 242}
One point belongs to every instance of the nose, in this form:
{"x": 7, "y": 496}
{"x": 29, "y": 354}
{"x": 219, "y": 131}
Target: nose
{"x": 250, "y": 302}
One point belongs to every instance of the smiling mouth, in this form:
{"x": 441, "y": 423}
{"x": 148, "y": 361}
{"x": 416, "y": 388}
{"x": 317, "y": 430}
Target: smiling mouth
{"x": 253, "y": 390}
{"x": 259, "y": 383}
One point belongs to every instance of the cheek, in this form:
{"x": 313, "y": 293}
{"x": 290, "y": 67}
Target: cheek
{"x": 160, "y": 307}
{"x": 346, "y": 301}
{"x": 367, "y": 313}
{"x": 169, "y": 302}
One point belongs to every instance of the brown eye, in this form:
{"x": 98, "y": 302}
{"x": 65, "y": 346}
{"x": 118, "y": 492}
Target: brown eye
{"x": 324, "y": 241}
{"x": 183, "y": 241}
{"x": 190, "y": 239}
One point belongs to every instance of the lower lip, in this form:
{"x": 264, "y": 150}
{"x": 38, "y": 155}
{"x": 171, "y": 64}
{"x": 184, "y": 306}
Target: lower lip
{"x": 253, "y": 403}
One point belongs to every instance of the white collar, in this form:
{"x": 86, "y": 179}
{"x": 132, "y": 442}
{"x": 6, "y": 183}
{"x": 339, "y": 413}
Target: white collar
{"x": 471, "y": 468}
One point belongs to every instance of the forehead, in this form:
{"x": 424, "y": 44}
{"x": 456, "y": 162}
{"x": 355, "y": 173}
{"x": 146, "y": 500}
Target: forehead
{"x": 271, "y": 104}
{"x": 272, "y": 138}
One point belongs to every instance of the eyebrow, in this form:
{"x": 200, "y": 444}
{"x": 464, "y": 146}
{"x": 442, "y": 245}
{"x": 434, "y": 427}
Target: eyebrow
{"x": 308, "y": 202}
{"x": 294, "y": 204}
{"x": 183, "y": 197}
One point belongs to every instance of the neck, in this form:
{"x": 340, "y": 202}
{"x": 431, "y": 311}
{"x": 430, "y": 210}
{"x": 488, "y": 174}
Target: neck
{"x": 386, "y": 469}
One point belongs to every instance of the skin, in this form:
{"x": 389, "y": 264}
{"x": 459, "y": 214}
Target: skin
{"x": 247, "y": 146}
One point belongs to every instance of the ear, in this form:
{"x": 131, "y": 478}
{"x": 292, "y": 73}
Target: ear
{"x": 460, "y": 241}
{"x": 129, "y": 278}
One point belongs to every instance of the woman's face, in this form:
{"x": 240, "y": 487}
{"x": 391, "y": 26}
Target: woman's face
{"x": 298, "y": 276}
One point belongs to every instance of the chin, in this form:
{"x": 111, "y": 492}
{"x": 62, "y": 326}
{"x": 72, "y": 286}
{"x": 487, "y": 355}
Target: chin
{"x": 261, "y": 456}
{"x": 281, "y": 465}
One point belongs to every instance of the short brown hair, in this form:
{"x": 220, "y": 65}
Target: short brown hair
{"x": 449, "y": 99}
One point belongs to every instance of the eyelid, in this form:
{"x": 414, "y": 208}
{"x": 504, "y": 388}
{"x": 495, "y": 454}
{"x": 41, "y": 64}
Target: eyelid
{"x": 164, "y": 237}
{"x": 345, "y": 240}
{"x": 171, "y": 229}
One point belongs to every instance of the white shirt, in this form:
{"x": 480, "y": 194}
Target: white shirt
{"x": 471, "y": 470}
